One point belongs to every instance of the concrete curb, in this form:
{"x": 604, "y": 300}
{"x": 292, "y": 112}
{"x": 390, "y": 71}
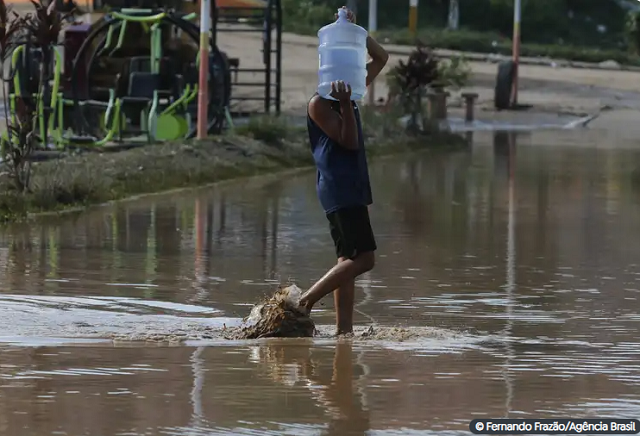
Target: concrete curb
{"x": 541, "y": 62}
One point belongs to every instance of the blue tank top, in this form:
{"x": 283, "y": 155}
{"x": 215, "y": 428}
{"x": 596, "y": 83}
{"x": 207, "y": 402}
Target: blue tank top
{"x": 343, "y": 175}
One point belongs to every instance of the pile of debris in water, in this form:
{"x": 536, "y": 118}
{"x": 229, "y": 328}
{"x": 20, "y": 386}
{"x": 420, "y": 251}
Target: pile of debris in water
{"x": 278, "y": 316}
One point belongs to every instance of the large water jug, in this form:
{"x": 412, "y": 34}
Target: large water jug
{"x": 342, "y": 51}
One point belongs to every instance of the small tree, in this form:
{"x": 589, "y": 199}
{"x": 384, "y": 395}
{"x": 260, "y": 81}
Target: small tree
{"x": 39, "y": 30}
{"x": 16, "y": 142}
{"x": 409, "y": 80}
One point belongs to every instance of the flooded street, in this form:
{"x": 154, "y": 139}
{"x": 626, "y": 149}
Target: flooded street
{"x": 513, "y": 267}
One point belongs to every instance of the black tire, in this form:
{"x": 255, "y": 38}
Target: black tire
{"x": 504, "y": 84}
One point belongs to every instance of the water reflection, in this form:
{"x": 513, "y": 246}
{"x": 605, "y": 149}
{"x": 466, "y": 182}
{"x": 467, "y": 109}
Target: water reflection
{"x": 198, "y": 368}
{"x": 442, "y": 220}
{"x": 531, "y": 243}
{"x": 340, "y": 392}
{"x": 275, "y": 388}
{"x": 510, "y": 285}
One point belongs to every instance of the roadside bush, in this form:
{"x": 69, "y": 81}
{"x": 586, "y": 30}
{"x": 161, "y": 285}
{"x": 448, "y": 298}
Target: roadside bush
{"x": 489, "y": 42}
{"x": 474, "y": 41}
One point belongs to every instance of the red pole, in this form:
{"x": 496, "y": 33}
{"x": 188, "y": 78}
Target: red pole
{"x": 203, "y": 79}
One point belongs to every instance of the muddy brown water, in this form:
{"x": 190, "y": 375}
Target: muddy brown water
{"x": 513, "y": 269}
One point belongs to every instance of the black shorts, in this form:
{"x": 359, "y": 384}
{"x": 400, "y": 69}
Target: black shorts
{"x": 351, "y": 231}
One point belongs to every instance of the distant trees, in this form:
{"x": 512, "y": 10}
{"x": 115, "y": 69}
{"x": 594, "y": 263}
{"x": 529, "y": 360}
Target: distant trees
{"x": 600, "y": 23}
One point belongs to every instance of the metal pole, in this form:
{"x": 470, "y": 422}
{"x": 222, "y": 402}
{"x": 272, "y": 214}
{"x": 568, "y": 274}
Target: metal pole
{"x": 267, "y": 51}
{"x": 278, "y": 56}
{"x": 373, "y": 16}
{"x": 203, "y": 80}
{"x": 516, "y": 48}
{"x": 373, "y": 28}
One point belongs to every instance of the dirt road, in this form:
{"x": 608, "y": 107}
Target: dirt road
{"x": 552, "y": 90}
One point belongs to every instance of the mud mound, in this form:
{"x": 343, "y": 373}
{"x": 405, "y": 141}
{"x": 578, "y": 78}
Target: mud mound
{"x": 277, "y": 316}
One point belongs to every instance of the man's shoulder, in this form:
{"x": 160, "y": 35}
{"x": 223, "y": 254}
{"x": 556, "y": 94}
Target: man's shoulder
{"x": 319, "y": 108}
{"x": 317, "y": 100}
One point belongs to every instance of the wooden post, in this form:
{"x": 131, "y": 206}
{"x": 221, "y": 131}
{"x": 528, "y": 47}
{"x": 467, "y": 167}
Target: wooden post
{"x": 437, "y": 112}
{"x": 203, "y": 78}
{"x": 469, "y": 103}
{"x": 438, "y": 105}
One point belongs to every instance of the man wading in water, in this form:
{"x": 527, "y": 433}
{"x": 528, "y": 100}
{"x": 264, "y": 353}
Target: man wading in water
{"x": 344, "y": 191}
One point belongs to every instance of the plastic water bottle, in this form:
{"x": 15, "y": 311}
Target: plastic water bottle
{"x": 342, "y": 51}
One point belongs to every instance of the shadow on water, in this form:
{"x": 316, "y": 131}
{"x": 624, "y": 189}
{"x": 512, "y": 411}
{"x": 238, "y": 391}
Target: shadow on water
{"x": 518, "y": 253}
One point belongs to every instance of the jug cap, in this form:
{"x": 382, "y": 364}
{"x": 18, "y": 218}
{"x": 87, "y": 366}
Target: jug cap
{"x": 342, "y": 20}
{"x": 342, "y": 15}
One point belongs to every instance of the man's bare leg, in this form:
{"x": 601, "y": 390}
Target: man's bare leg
{"x": 341, "y": 274}
{"x": 344, "y": 300}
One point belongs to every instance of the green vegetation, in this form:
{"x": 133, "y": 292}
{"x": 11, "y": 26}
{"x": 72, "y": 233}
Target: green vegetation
{"x": 490, "y": 42}
{"x": 306, "y": 17}
{"x": 632, "y": 32}
{"x": 92, "y": 178}
{"x": 576, "y": 30}
{"x": 78, "y": 178}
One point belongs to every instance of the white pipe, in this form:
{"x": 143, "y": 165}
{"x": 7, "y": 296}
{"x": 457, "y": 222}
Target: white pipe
{"x": 517, "y": 11}
{"x": 373, "y": 16}
{"x": 373, "y": 27}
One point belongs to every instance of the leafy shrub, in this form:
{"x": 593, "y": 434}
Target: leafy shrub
{"x": 424, "y": 69}
{"x": 420, "y": 70}
{"x": 454, "y": 73}
{"x": 489, "y": 42}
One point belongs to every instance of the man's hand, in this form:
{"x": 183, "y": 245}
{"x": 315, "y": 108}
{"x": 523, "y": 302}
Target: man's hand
{"x": 341, "y": 91}
{"x": 350, "y": 15}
